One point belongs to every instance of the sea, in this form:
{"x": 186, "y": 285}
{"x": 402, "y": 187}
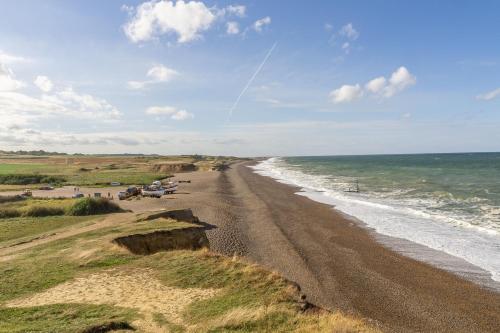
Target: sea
{"x": 449, "y": 203}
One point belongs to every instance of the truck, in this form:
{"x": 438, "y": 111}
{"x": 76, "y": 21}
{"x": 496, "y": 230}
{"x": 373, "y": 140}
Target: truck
{"x": 129, "y": 192}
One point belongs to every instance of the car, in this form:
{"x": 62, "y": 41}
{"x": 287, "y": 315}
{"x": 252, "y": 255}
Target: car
{"x": 115, "y": 184}
{"x": 78, "y": 195}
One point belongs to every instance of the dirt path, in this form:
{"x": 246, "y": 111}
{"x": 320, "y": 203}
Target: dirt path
{"x": 108, "y": 221}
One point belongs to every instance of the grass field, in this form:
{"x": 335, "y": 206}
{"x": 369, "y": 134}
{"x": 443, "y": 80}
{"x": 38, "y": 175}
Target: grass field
{"x": 175, "y": 291}
{"x": 96, "y": 170}
{"x": 23, "y": 228}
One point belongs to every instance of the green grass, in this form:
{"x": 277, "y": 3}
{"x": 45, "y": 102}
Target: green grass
{"x": 25, "y": 227}
{"x": 27, "y": 168}
{"x": 61, "y": 318}
{"x": 249, "y": 299}
{"x": 104, "y": 178}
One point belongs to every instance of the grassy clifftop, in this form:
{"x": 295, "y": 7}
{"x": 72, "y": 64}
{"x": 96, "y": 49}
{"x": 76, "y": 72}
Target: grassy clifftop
{"x": 77, "y": 281}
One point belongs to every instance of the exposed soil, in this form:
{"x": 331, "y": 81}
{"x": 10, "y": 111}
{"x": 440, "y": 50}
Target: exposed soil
{"x": 173, "y": 167}
{"x": 137, "y": 289}
{"x": 192, "y": 238}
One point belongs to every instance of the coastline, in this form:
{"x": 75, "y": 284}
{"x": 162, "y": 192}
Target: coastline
{"x": 420, "y": 252}
{"x": 339, "y": 264}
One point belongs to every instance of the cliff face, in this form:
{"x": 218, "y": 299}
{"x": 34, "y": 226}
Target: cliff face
{"x": 164, "y": 240}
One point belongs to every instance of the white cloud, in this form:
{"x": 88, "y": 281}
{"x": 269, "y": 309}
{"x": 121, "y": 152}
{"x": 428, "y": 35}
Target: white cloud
{"x": 84, "y": 103}
{"x": 328, "y": 27}
{"x": 19, "y": 108}
{"x": 182, "y": 115}
{"x": 185, "y": 19}
{"x": 346, "y": 93}
{"x": 161, "y": 110}
{"x": 489, "y": 95}
{"x": 232, "y": 28}
{"x": 161, "y": 73}
{"x": 171, "y": 111}
{"x": 7, "y": 59}
{"x": 157, "y": 74}
{"x": 260, "y": 24}
{"x": 349, "y": 32}
{"x": 400, "y": 80}
{"x": 346, "y": 47}
{"x": 376, "y": 85}
{"x": 238, "y": 10}
{"x": 7, "y": 80}
{"x": 43, "y": 83}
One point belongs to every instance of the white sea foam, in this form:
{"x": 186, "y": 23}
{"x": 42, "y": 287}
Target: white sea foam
{"x": 477, "y": 245}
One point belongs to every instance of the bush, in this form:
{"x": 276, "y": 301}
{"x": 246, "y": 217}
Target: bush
{"x": 30, "y": 179}
{"x": 93, "y": 206}
{"x": 9, "y": 213}
{"x": 40, "y": 211}
{"x": 11, "y": 198}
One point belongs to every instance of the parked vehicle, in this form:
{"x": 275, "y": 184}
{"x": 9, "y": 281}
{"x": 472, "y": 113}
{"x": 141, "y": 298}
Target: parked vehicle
{"x": 115, "y": 184}
{"x": 77, "y": 195}
{"x": 170, "y": 187}
{"x": 46, "y": 188}
{"x": 152, "y": 191}
{"x": 27, "y": 193}
{"x": 130, "y": 192}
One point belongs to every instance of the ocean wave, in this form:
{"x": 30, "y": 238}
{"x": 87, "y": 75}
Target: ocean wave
{"x": 418, "y": 219}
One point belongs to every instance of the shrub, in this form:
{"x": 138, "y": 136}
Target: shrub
{"x": 93, "y": 206}
{"x": 6, "y": 213}
{"x": 11, "y": 198}
{"x": 40, "y": 211}
{"x": 29, "y": 179}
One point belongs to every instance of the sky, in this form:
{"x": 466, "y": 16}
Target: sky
{"x": 250, "y": 78}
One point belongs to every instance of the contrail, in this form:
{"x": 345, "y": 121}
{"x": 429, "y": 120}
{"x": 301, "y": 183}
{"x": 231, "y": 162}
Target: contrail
{"x": 250, "y": 82}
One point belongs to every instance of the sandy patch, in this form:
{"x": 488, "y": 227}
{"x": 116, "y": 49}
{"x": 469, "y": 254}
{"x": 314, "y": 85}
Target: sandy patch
{"x": 138, "y": 290}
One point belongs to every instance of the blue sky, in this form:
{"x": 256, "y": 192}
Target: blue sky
{"x": 340, "y": 77}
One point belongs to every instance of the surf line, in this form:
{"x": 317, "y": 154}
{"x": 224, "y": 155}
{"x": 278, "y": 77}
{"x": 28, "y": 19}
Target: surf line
{"x": 250, "y": 81}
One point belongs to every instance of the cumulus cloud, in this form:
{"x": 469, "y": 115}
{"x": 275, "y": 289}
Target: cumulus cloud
{"x": 43, "y": 83}
{"x": 260, "y": 24}
{"x": 156, "y": 74}
{"x": 376, "y": 85}
{"x": 344, "y": 38}
{"x": 182, "y": 115}
{"x": 170, "y": 111}
{"x": 349, "y": 32}
{"x": 346, "y": 93}
{"x": 187, "y": 20}
{"x": 84, "y": 103}
{"x": 238, "y": 10}
{"x": 489, "y": 95}
{"x": 161, "y": 73}
{"x": 7, "y": 80}
{"x": 400, "y": 80}
{"x": 18, "y": 107}
{"x": 232, "y": 28}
